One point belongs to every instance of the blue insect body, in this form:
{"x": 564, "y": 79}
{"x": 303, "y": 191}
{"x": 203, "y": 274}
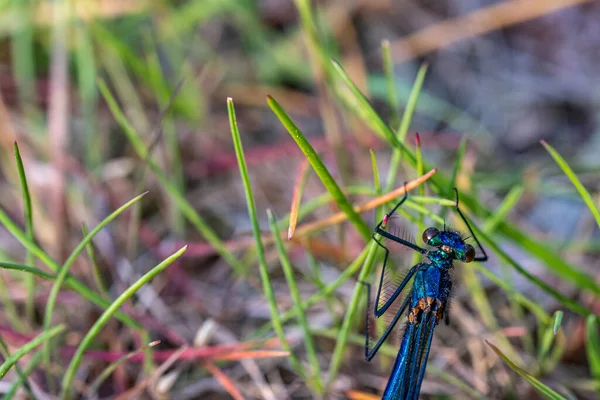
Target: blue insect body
{"x": 425, "y": 305}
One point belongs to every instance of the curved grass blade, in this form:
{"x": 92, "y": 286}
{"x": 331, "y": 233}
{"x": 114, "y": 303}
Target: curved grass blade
{"x": 558, "y": 316}
{"x": 67, "y": 382}
{"x": 41, "y": 255}
{"x": 262, "y": 262}
{"x": 30, "y": 270}
{"x": 573, "y": 305}
{"x": 340, "y": 344}
{"x": 5, "y": 367}
{"x": 381, "y": 200}
{"x": 364, "y": 109}
{"x": 95, "y": 385}
{"x": 583, "y": 192}
{"x": 539, "y": 386}
{"x": 64, "y": 270}
{"x": 548, "y": 336}
{"x": 500, "y": 214}
{"x": 96, "y": 273}
{"x": 301, "y": 179}
{"x": 35, "y": 360}
{"x": 322, "y": 293}
{"x": 390, "y": 84}
{"x": 186, "y": 208}
{"x": 29, "y": 260}
{"x": 20, "y": 373}
{"x": 592, "y": 346}
{"x": 315, "y": 375}
{"x": 321, "y": 170}
{"x": 441, "y": 182}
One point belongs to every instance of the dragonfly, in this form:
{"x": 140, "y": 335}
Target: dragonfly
{"x": 425, "y": 304}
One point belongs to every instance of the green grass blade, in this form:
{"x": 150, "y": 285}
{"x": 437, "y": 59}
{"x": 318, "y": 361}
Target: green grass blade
{"x": 509, "y": 202}
{"x": 390, "y": 83}
{"x": 262, "y": 262}
{"x": 524, "y": 301}
{"x": 592, "y": 346}
{"x": 539, "y": 386}
{"x": 95, "y": 385}
{"x": 85, "y": 343}
{"x": 376, "y": 180}
{"x": 558, "y": 316}
{"x": 363, "y": 108}
{"x": 340, "y": 344}
{"x": 95, "y": 269}
{"x": 186, "y": 208}
{"x": 320, "y": 295}
{"x": 20, "y": 373}
{"x": 28, "y": 347}
{"x": 440, "y": 182}
{"x": 321, "y": 170}
{"x": 41, "y": 255}
{"x": 315, "y": 375}
{"x": 583, "y": 192}
{"x": 64, "y": 270}
{"x": 407, "y": 115}
{"x": 35, "y": 360}
{"x": 573, "y": 305}
{"x": 376, "y": 183}
{"x": 29, "y": 260}
{"x": 26, "y": 268}
{"x": 548, "y": 336}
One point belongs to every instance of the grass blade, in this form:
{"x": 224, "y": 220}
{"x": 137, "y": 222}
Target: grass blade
{"x": 539, "y": 386}
{"x": 42, "y": 337}
{"x": 558, "y": 316}
{"x": 64, "y": 270}
{"x": 67, "y": 382}
{"x": 29, "y": 260}
{"x": 76, "y": 285}
{"x": 583, "y": 192}
{"x": 97, "y": 274}
{"x": 186, "y": 208}
{"x": 592, "y": 346}
{"x": 340, "y": 344}
{"x": 315, "y": 375}
{"x": 573, "y": 305}
{"x": 35, "y": 360}
{"x": 297, "y": 197}
{"x": 390, "y": 82}
{"x": 379, "y": 201}
{"x": 500, "y": 214}
{"x": 407, "y": 115}
{"x": 262, "y": 262}
{"x": 321, "y": 170}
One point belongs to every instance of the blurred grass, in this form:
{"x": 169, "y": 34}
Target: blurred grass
{"x": 155, "y": 58}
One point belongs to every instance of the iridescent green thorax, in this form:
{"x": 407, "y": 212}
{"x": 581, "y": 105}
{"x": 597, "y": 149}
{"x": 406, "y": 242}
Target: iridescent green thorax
{"x": 440, "y": 258}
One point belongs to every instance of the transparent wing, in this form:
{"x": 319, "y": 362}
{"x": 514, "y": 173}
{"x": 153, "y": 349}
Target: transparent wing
{"x": 391, "y": 287}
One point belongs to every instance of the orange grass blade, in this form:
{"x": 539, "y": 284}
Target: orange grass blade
{"x": 224, "y": 380}
{"x": 356, "y": 395}
{"x": 369, "y": 205}
{"x": 297, "y": 197}
{"x": 242, "y": 355}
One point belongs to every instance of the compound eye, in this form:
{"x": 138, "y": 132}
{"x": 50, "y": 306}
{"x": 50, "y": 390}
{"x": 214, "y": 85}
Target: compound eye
{"x": 429, "y": 234}
{"x": 469, "y": 253}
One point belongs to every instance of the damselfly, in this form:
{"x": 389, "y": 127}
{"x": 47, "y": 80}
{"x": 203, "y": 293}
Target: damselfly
{"x": 425, "y": 304}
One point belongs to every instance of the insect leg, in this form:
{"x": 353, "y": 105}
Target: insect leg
{"x": 480, "y": 258}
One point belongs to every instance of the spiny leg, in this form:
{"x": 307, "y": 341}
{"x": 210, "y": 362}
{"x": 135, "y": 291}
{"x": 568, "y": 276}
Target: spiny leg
{"x": 480, "y": 258}
{"x": 369, "y": 354}
{"x": 380, "y": 230}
